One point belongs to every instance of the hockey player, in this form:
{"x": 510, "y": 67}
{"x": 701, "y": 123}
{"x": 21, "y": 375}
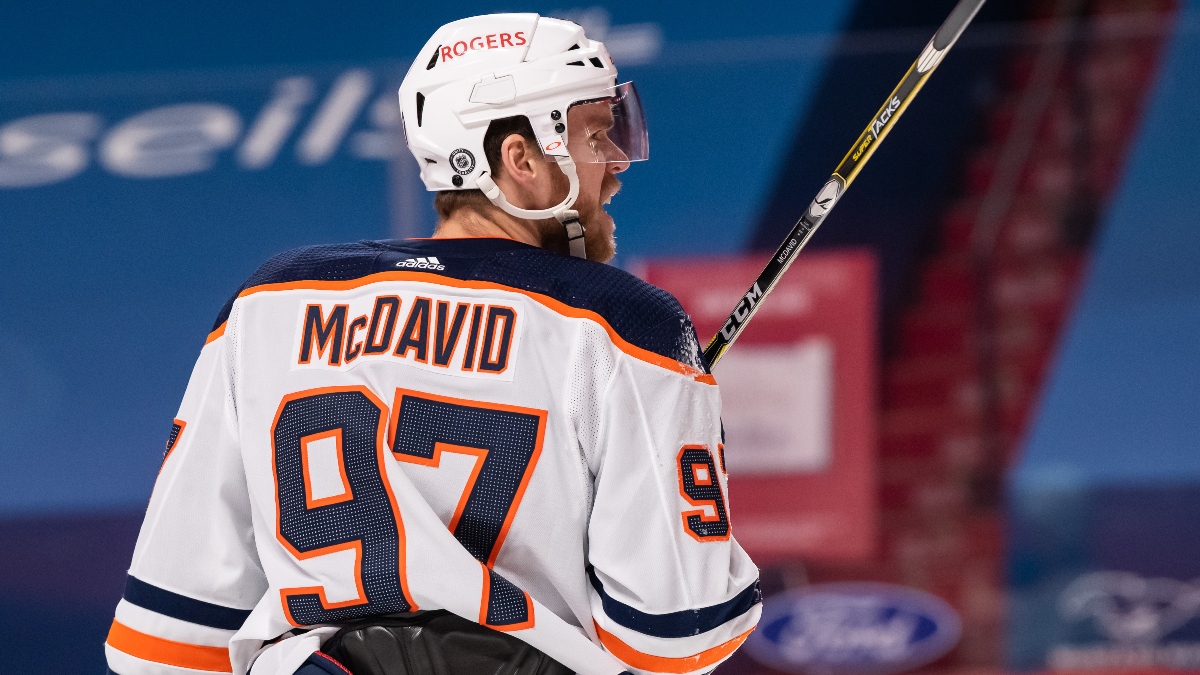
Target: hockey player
{"x": 481, "y": 445}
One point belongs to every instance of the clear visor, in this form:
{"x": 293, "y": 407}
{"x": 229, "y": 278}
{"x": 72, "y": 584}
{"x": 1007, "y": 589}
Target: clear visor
{"x": 608, "y": 127}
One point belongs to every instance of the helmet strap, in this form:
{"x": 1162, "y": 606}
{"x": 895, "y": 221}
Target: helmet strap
{"x": 561, "y": 212}
{"x": 570, "y": 220}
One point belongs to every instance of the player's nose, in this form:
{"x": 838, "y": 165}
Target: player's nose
{"x": 619, "y": 163}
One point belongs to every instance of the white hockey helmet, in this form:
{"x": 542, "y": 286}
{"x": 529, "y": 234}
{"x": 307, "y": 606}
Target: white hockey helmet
{"x": 489, "y": 67}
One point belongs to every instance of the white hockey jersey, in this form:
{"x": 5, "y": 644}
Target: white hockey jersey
{"x": 528, "y": 440}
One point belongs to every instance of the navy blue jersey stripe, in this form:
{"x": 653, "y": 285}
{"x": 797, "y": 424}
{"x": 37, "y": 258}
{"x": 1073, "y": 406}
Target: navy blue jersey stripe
{"x": 677, "y": 624}
{"x": 181, "y": 607}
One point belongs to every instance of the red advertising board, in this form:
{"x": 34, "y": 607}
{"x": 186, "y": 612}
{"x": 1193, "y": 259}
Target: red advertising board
{"x": 798, "y": 399}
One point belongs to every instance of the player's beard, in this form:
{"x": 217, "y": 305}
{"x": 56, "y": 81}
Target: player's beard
{"x": 598, "y": 234}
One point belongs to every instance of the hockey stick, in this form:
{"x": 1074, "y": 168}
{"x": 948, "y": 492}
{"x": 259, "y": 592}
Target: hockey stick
{"x": 845, "y": 173}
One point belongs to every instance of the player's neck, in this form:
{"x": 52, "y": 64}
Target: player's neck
{"x": 465, "y": 223}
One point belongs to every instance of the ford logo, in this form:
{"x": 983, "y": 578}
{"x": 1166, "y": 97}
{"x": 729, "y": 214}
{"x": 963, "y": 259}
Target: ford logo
{"x": 853, "y": 628}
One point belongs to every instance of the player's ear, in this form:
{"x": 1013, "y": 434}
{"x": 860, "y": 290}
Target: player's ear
{"x": 523, "y": 163}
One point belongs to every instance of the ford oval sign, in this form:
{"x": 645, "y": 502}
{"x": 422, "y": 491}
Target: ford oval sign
{"x": 855, "y": 628}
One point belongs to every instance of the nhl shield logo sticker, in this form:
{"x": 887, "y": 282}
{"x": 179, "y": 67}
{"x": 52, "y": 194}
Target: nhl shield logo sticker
{"x": 462, "y": 161}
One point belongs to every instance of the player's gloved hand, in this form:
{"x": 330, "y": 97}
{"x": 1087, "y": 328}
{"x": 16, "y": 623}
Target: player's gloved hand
{"x": 320, "y": 663}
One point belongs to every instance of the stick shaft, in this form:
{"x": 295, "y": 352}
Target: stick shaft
{"x": 845, "y": 173}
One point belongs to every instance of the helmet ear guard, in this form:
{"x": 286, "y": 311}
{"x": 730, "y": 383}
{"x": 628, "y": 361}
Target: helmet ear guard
{"x": 496, "y": 196}
{"x": 562, "y": 211}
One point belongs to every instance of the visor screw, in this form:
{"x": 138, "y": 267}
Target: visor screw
{"x": 559, "y": 128}
{"x": 457, "y": 180}
{"x": 556, "y": 115}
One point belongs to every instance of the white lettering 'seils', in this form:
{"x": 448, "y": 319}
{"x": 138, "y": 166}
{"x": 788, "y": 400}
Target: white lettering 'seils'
{"x": 190, "y": 138}
{"x": 458, "y": 336}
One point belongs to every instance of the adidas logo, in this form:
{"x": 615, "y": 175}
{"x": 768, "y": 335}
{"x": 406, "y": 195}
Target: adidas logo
{"x": 430, "y": 263}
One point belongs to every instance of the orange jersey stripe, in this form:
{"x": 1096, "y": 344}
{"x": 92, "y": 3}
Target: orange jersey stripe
{"x": 667, "y": 664}
{"x": 220, "y": 330}
{"x": 545, "y": 300}
{"x": 169, "y": 652}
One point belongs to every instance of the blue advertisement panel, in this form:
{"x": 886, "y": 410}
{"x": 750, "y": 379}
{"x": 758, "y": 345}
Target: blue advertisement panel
{"x": 130, "y": 209}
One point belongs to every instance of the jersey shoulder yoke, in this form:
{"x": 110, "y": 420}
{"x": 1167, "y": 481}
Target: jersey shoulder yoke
{"x": 640, "y": 313}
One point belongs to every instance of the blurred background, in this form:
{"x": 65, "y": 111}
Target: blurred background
{"x": 963, "y": 433}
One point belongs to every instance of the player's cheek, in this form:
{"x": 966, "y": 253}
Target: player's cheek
{"x": 595, "y": 182}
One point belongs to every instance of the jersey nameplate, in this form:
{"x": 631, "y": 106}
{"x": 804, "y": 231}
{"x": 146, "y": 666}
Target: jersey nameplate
{"x": 450, "y": 335}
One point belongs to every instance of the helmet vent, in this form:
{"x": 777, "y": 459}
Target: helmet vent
{"x": 433, "y": 61}
{"x": 573, "y": 48}
{"x": 420, "y": 106}
{"x": 596, "y": 62}
{"x": 575, "y": 63}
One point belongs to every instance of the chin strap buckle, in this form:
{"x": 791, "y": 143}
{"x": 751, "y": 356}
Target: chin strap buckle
{"x": 570, "y": 221}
